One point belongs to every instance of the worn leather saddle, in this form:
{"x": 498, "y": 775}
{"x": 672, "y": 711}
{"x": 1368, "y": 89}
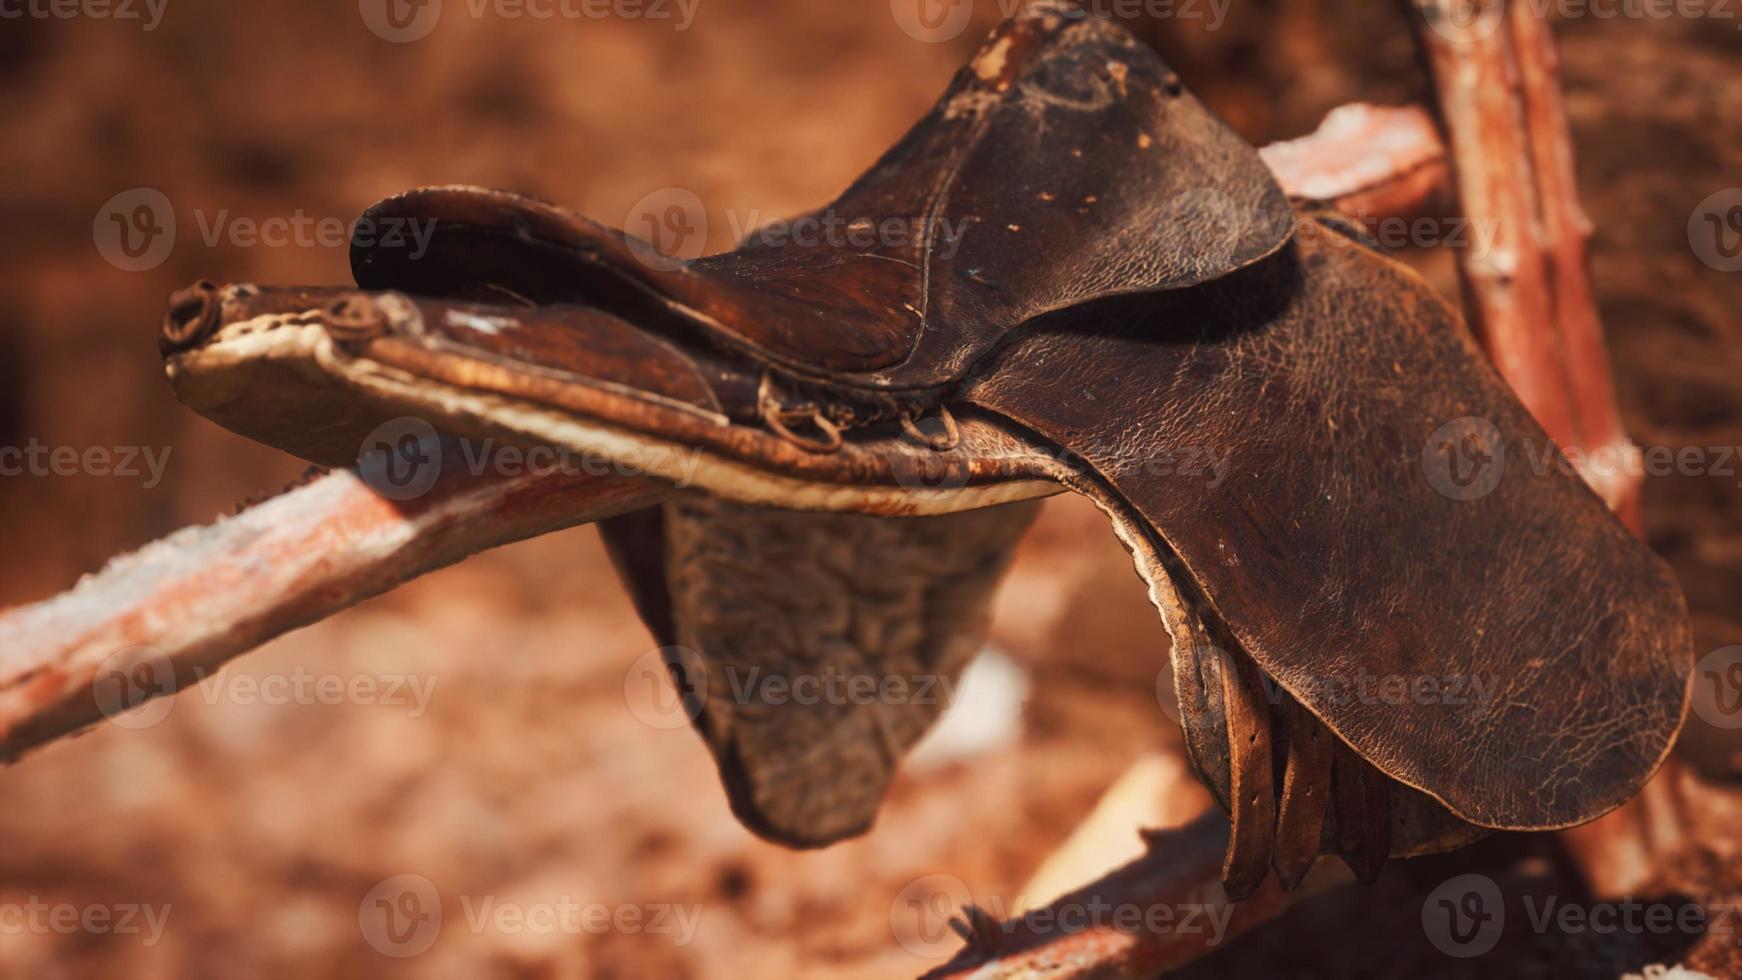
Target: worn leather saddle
{"x": 1394, "y": 629}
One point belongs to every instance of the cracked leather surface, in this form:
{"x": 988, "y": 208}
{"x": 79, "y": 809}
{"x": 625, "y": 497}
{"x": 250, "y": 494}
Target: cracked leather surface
{"x": 1323, "y": 376}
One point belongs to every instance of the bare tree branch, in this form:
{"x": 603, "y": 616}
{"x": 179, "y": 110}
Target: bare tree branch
{"x": 1106, "y": 928}
{"x": 1529, "y": 293}
{"x": 150, "y": 622}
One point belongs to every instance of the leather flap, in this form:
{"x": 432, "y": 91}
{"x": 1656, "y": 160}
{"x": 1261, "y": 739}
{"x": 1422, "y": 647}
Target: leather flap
{"x": 1066, "y": 163}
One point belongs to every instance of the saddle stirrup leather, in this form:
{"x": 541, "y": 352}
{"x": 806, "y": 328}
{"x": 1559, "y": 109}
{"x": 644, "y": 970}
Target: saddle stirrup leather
{"x": 1391, "y": 634}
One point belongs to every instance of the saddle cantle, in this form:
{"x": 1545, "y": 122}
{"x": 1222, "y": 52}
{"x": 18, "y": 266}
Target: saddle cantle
{"x": 1381, "y": 649}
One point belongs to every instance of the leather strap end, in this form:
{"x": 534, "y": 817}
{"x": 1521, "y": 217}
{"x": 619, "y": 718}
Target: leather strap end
{"x": 1306, "y": 793}
{"x": 1251, "y": 780}
{"x": 1363, "y": 801}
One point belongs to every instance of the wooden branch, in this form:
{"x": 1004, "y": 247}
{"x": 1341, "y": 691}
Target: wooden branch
{"x": 1566, "y": 233}
{"x": 1529, "y": 295}
{"x": 1400, "y": 171}
{"x": 1507, "y": 286}
{"x": 149, "y": 623}
{"x": 1107, "y": 928}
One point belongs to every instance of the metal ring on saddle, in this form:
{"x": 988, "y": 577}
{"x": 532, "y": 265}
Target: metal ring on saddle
{"x": 774, "y": 416}
{"x": 948, "y": 440}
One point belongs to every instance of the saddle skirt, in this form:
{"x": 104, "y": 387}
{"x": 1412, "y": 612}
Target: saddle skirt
{"x": 1391, "y": 632}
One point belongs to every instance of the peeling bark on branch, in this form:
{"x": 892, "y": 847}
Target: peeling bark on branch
{"x": 186, "y": 604}
{"x": 1529, "y": 296}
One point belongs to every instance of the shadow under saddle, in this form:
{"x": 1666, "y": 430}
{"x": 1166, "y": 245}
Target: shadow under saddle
{"x": 1125, "y": 283}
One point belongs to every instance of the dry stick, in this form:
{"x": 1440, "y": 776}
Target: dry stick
{"x": 152, "y": 622}
{"x": 1508, "y": 296}
{"x": 1400, "y": 170}
{"x": 1181, "y": 870}
{"x": 1532, "y": 303}
{"x": 1566, "y": 231}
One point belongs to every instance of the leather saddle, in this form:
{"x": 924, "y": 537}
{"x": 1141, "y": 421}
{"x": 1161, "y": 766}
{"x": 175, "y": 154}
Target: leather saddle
{"x": 1393, "y": 628}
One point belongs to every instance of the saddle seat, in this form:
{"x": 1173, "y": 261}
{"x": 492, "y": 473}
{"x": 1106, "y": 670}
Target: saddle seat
{"x": 1391, "y": 632}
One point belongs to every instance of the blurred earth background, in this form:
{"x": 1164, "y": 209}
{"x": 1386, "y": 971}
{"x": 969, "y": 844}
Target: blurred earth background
{"x": 527, "y": 775}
